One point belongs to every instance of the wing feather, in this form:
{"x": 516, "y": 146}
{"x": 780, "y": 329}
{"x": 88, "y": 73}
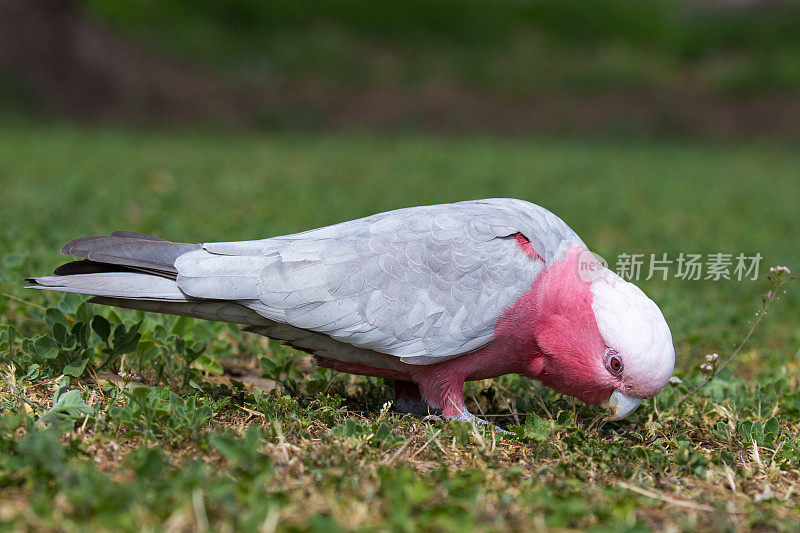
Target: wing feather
{"x": 424, "y": 284}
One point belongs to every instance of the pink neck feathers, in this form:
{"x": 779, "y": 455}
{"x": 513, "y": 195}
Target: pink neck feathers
{"x": 554, "y": 323}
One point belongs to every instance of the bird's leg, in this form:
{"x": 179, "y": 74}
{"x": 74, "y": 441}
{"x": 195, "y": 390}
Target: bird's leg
{"x": 448, "y": 396}
{"x": 408, "y": 399}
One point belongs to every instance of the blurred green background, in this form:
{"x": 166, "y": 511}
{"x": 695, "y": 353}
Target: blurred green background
{"x": 718, "y": 68}
{"x": 510, "y": 46}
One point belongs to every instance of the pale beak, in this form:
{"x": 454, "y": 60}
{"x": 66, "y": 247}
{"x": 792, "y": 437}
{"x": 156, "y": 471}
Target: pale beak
{"x": 620, "y": 406}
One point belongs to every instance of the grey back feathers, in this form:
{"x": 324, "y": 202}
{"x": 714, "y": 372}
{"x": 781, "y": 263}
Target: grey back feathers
{"x": 424, "y": 284}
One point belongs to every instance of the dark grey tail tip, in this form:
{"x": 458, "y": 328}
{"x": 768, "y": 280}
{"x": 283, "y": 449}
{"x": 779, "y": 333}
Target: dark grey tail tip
{"x": 137, "y": 235}
{"x": 133, "y": 235}
{"x": 32, "y": 280}
{"x": 66, "y": 248}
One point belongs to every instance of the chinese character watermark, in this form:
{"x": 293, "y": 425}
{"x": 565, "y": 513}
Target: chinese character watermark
{"x": 685, "y": 266}
{"x": 714, "y": 266}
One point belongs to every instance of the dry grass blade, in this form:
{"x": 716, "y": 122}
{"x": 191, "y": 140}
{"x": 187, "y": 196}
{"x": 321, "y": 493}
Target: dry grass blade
{"x": 664, "y": 498}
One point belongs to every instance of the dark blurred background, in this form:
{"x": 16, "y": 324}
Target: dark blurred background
{"x": 718, "y": 69}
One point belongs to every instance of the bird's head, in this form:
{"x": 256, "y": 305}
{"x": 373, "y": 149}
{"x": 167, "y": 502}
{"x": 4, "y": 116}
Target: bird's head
{"x": 601, "y": 339}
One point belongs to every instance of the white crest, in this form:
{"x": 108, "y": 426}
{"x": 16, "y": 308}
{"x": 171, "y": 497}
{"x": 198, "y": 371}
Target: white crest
{"x": 633, "y": 325}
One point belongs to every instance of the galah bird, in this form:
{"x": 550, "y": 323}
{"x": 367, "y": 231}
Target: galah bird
{"x": 428, "y": 296}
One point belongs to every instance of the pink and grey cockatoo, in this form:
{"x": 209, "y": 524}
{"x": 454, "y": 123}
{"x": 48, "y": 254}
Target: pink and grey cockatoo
{"x": 428, "y": 296}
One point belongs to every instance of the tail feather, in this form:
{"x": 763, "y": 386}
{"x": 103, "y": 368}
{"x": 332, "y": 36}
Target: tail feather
{"x": 85, "y": 266}
{"x": 115, "y": 284}
{"x": 219, "y": 311}
{"x": 137, "y": 271}
{"x": 124, "y": 265}
{"x": 135, "y": 235}
{"x": 132, "y": 250}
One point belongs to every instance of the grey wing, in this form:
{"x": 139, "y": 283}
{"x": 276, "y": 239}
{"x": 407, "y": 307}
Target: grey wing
{"x": 424, "y": 284}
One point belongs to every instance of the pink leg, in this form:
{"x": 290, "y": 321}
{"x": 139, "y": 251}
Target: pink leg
{"x": 420, "y": 390}
{"x": 443, "y": 392}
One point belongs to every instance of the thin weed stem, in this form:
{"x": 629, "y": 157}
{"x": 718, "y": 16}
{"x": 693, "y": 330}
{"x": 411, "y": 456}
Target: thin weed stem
{"x": 767, "y": 302}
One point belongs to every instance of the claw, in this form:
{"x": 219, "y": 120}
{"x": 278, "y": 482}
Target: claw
{"x": 466, "y": 416}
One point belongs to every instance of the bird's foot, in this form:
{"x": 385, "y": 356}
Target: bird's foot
{"x": 409, "y": 399}
{"x": 466, "y": 416}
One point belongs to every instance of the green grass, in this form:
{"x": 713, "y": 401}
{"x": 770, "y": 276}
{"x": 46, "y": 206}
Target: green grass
{"x": 173, "y": 445}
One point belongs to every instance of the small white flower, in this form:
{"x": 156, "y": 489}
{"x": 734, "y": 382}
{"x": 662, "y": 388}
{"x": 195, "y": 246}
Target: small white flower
{"x": 779, "y": 269}
{"x": 675, "y": 380}
{"x": 705, "y": 367}
{"x": 712, "y": 357}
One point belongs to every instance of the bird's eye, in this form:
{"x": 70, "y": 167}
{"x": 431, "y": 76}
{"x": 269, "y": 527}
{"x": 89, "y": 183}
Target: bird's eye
{"x": 613, "y": 362}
